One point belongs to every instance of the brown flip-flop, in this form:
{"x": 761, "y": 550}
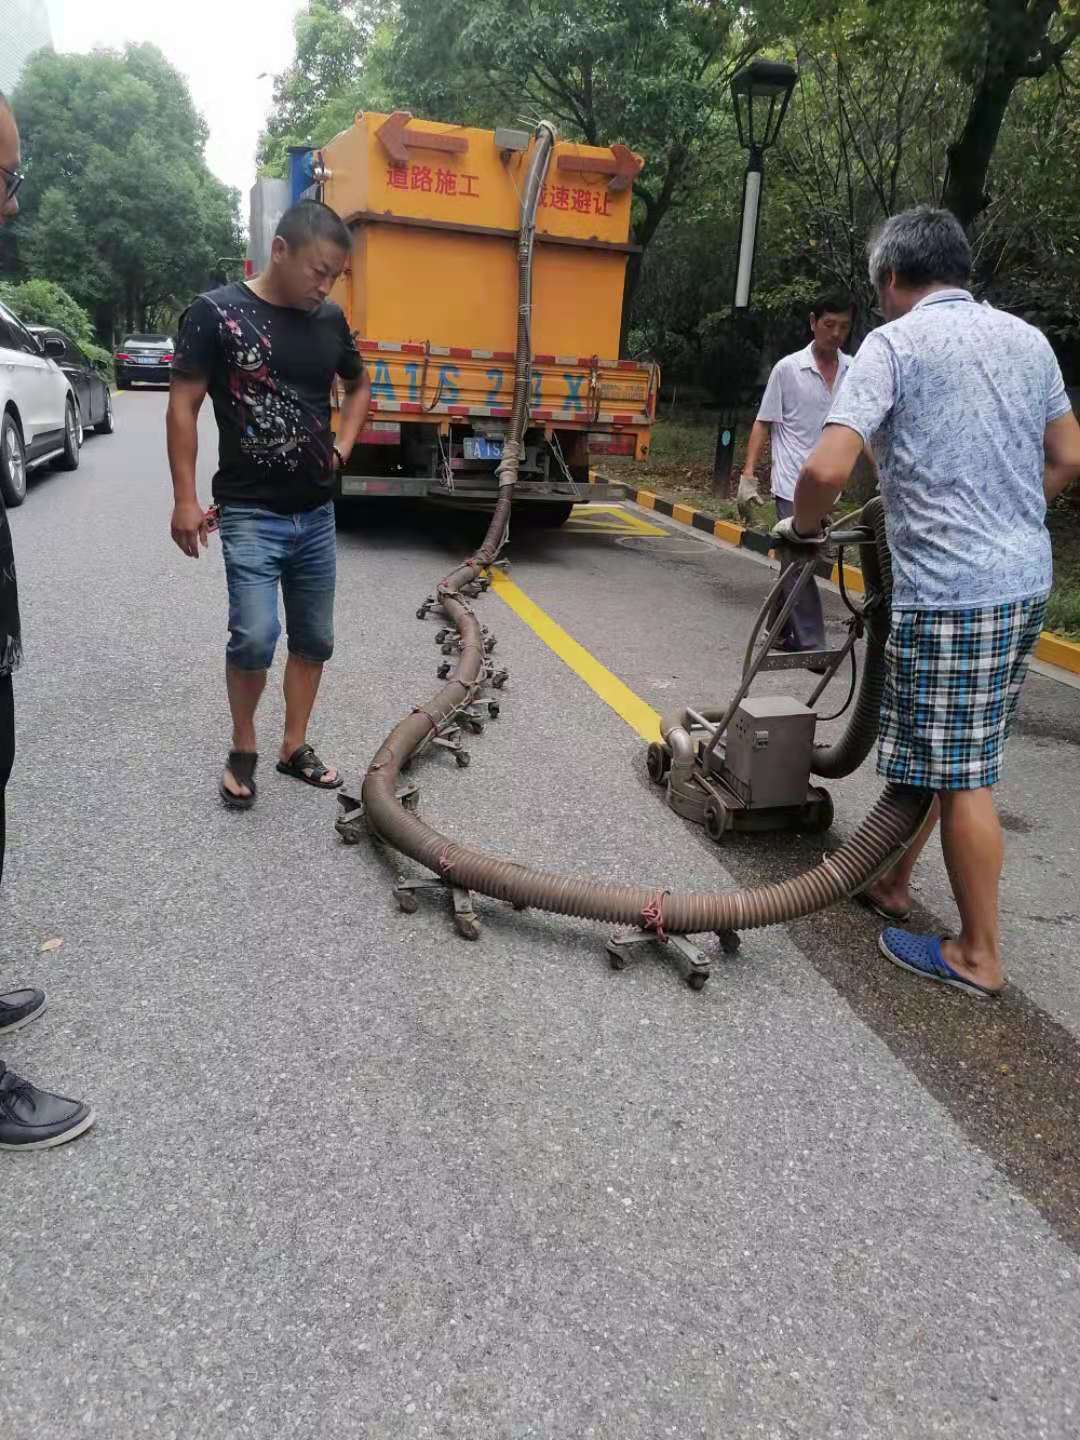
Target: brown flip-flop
{"x": 303, "y": 764}
{"x": 242, "y": 763}
{"x": 898, "y": 917}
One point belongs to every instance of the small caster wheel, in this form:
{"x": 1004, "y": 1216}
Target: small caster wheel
{"x": 476, "y": 727}
{"x": 350, "y": 834}
{"x": 617, "y": 962}
{"x": 421, "y": 614}
{"x": 441, "y": 637}
{"x": 658, "y": 762}
{"x": 485, "y": 585}
{"x": 493, "y": 709}
{"x": 443, "y": 670}
{"x": 730, "y": 941}
{"x": 717, "y": 820}
{"x": 448, "y": 649}
{"x": 818, "y": 816}
{"x": 468, "y": 927}
{"x": 463, "y": 759}
{"x": 500, "y": 679}
{"x": 489, "y": 645}
{"x": 407, "y": 902}
{"x": 697, "y": 978}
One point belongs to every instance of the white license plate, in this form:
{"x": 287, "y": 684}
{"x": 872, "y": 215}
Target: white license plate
{"x": 146, "y": 360}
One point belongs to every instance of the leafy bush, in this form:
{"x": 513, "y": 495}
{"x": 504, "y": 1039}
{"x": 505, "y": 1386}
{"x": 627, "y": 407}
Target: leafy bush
{"x": 43, "y": 302}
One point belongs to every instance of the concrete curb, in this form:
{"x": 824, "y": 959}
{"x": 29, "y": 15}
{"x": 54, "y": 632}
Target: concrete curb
{"x": 1052, "y": 649}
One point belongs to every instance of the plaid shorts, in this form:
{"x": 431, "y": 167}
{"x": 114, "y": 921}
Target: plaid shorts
{"x": 952, "y": 682}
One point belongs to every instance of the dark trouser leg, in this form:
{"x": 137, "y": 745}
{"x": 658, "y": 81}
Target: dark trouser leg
{"x": 805, "y": 628}
{"x": 7, "y": 751}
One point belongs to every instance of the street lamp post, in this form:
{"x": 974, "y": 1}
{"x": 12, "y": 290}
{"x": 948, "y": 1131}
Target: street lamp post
{"x": 761, "y": 93}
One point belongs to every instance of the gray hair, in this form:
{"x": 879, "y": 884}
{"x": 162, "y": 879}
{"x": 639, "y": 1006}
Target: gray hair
{"x": 921, "y": 247}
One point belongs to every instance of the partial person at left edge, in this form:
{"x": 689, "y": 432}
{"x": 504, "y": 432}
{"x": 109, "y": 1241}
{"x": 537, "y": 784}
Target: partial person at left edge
{"x": 30, "y": 1119}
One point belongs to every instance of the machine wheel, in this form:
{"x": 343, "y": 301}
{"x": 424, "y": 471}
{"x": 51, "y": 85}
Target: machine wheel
{"x": 351, "y": 833}
{"x": 443, "y": 671}
{"x": 697, "y": 978}
{"x": 421, "y": 614}
{"x": 476, "y": 727}
{"x": 463, "y": 759}
{"x": 407, "y": 902}
{"x": 448, "y": 649}
{"x": 617, "y": 962}
{"x": 468, "y": 927}
{"x": 493, "y": 709}
{"x": 658, "y": 762}
{"x": 730, "y": 941}
{"x": 717, "y": 820}
{"x": 818, "y": 816}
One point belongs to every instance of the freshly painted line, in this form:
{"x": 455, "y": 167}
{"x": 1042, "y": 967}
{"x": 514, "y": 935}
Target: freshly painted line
{"x": 628, "y": 706}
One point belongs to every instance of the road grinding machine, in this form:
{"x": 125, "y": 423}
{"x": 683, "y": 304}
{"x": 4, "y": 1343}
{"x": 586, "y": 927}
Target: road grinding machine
{"x": 747, "y": 765}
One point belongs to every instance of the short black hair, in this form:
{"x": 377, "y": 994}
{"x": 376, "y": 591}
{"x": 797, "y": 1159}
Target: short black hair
{"x": 833, "y": 302}
{"x": 312, "y": 220}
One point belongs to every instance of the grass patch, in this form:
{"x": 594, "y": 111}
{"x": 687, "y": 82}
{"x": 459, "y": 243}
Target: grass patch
{"x": 679, "y": 468}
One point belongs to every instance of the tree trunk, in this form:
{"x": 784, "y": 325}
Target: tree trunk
{"x": 633, "y": 279}
{"x": 969, "y": 156}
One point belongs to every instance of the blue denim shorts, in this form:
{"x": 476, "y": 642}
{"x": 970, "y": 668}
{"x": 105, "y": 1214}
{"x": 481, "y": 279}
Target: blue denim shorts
{"x": 262, "y": 551}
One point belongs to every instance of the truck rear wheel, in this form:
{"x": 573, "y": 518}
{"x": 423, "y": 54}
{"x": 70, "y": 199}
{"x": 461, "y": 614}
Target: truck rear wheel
{"x": 548, "y": 514}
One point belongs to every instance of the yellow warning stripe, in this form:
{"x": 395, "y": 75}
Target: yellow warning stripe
{"x": 628, "y": 706}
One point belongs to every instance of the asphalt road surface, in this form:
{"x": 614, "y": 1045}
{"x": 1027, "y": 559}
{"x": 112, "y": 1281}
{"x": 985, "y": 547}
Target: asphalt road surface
{"x": 356, "y": 1177}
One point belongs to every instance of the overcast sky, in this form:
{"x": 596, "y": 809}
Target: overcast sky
{"x": 220, "y": 46}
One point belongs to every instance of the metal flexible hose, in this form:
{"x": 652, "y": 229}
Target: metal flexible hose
{"x": 884, "y": 833}
{"x": 845, "y": 755}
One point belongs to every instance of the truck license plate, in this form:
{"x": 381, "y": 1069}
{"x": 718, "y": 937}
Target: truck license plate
{"x": 479, "y": 447}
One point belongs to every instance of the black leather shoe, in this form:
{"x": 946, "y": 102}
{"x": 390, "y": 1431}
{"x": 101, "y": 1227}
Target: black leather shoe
{"x": 32, "y": 1119}
{"x": 19, "y": 1007}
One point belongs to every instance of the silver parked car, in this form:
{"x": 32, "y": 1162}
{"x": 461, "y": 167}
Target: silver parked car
{"x": 39, "y": 415}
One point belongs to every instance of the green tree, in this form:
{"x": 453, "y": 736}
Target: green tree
{"x": 653, "y": 74}
{"x": 119, "y": 206}
{"x": 340, "y": 46}
{"x": 995, "y": 45}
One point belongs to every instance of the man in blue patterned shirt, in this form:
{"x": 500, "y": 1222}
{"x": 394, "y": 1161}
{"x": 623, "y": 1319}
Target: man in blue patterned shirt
{"x": 967, "y": 414}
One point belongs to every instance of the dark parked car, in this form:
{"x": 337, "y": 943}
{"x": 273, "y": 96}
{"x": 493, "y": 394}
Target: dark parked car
{"x": 144, "y": 357}
{"x": 90, "y": 388}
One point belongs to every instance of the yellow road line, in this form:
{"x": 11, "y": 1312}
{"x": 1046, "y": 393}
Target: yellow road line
{"x": 628, "y": 706}
{"x": 612, "y": 520}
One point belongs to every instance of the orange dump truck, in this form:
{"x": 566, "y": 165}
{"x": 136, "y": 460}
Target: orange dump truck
{"x": 431, "y": 295}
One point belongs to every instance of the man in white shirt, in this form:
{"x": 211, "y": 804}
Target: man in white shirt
{"x": 799, "y": 395}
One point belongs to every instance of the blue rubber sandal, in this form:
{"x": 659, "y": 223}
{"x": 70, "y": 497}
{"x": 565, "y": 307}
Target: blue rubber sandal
{"x": 921, "y": 955}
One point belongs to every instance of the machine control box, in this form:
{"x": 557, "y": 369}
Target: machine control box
{"x": 768, "y": 751}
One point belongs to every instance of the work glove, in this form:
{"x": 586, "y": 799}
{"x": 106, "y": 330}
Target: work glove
{"x": 786, "y": 534}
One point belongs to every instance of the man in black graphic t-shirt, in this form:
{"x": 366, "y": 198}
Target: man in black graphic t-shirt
{"x": 267, "y": 353}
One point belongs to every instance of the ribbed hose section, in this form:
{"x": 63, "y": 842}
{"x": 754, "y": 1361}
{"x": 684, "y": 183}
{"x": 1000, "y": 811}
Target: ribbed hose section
{"x": 887, "y": 829}
{"x": 834, "y": 762}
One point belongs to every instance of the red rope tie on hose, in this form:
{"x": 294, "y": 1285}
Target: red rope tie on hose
{"x": 419, "y": 710}
{"x": 443, "y": 861}
{"x": 652, "y": 917}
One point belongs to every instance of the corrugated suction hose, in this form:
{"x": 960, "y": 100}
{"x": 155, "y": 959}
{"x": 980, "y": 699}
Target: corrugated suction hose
{"x": 884, "y": 833}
